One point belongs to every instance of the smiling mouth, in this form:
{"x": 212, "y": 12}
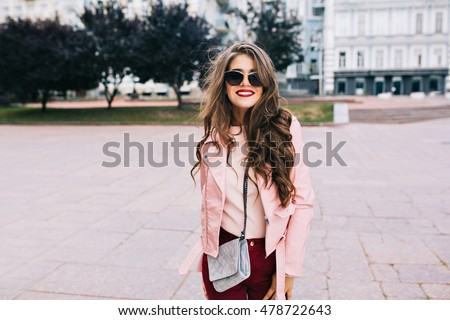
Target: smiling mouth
{"x": 245, "y": 93}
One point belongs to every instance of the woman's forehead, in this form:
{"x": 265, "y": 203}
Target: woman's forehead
{"x": 243, "y": 63}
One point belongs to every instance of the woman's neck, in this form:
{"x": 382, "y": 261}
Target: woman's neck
{"x": 238, "y": 116}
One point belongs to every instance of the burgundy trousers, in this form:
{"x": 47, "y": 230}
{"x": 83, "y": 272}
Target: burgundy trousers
{"x": 260, "y": 280}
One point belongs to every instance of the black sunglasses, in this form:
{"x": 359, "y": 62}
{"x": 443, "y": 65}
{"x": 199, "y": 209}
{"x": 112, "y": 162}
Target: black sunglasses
{"x": 234, "y": 78}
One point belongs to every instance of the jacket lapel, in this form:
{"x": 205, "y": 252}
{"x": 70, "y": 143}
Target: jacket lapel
{"x": 216, "y": 161}
{"x": 268, "y": 196}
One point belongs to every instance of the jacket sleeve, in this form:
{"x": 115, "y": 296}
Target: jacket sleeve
{"x": 298, "y": 229}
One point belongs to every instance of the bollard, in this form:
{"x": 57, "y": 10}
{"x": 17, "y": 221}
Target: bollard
{"x": 340, "y": 113}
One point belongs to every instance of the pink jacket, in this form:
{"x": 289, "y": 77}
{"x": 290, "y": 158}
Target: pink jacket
{"x": 287, "y": 229}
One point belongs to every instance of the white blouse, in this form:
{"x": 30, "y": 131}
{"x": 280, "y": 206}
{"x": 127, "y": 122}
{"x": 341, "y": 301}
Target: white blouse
{"x": 233, "y": 211}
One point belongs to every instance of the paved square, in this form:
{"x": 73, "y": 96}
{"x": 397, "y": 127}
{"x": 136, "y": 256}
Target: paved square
{"x": 71, "y": 228}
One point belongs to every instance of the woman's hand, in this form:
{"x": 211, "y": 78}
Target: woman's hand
{"x": 288, "y": 286}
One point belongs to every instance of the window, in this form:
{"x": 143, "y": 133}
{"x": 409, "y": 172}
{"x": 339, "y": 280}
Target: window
{"x": 400, "y": 22}
{"x": 398, "y": 58}
{"x": 434, "y": 84}
{"x": 343, "y": 27}
{"x": 397, "y": 85}
{"x": 360, "y": 59}
{"x": 419, "y": 20}
{"x": 341, "y": 59}
{"x": 416, "y": 85}
{"x": 5, "y": 12}
{"x": 379, "y": 86}
{"x": 359, "y": 86}
{"x": 379, "y": 59}
{"x": 419, "y": 58}
{"x": 439, "y": 22}
{"x": 341, "y": 86}
{"x": 361, "y": 24}
{"x": 380, "y": 25}
{"x": 313, "y": 69}
{"x": 19, "y": 11}
{"x": 438, "y": 55}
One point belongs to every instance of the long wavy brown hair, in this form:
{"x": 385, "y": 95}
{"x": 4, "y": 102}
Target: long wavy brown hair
{"x": 266, "y": 124}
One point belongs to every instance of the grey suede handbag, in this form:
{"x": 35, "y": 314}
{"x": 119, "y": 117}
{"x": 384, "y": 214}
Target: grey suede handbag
{"x": 232, "y": 265}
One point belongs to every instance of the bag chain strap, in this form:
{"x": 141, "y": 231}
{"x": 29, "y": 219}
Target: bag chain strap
{"x": 245, "y": 206}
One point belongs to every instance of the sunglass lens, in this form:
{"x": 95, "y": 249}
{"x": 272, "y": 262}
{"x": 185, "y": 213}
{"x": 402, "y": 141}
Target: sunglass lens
{"x": 234, "y": 78}
{"x": 254, "y": 80}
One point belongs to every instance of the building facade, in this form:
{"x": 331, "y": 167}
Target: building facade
{"x": 351, "y": 47}
{"x": 307, "y": 77}
{"x": 66, "y": 10}
{"x": 378, "y": 46}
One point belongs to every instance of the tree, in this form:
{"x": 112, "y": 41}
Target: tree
{"x": 276, "y": 31}
{"x": 172, "y": 45}
{"x": 116, "y": 38}
{"x": 45, "y": 56}
{"x": 16, "y": 57}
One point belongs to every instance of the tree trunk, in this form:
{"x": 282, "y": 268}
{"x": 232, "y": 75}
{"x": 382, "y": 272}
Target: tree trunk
{"x": 45, "y": 96}
{"x": 178, "y": 93}
{"x": 109, "y": 97}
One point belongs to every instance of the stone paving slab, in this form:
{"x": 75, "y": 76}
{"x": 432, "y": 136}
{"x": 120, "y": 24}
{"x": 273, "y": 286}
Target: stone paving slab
{"x": 424, "y": 273}
{"x": 402, "y": 291}
{"x": 8, "y": 294}
{"x": 39, "y": 295}
{"x": 355, "y": 290}
{"x": 437, "y": 291}
{"x": 72, "y": 229}
{"x": 397, "y": 248}
{"x": 109, "y": 282}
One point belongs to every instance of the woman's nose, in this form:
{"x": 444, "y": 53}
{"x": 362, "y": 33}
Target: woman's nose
{"x": 245, "y": 81}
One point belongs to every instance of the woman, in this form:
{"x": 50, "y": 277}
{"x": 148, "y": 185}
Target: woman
{"x": 246, "y": 131}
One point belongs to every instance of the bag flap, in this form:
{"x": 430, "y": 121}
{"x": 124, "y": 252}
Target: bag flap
{"x": 227, "y": 261}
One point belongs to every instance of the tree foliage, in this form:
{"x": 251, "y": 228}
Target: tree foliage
{"x": 172, "y": 45}
{"x": 169, "y": 46}
{"x": 275, "y": 30}
{"x": 116, "y": 37}
{"x": 37, "y": 58}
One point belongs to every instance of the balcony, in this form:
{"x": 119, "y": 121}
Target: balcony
{"x": 313, "y": 69}
{"x": 318, "y": 7}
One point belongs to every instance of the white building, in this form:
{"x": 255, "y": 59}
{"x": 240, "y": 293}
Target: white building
{"x": 307, "y": 77}
{"x": 386, "y": 46}
{"x": 66, "y": 10}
